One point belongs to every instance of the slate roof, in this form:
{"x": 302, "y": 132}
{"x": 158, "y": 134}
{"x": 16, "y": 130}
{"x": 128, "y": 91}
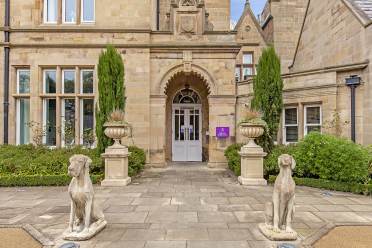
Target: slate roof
{"x": 364, "y": 6}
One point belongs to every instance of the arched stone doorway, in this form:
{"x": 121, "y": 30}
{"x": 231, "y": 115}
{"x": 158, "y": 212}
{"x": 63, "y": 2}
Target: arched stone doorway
{"x": 187, "y": 118}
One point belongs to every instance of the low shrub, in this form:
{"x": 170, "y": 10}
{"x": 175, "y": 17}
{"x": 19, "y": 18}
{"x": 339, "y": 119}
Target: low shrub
{"x": 233, "y": 158}
{"x": 31, "y": 181}
{"x": 30, "y": 160}
{"x": 318, "y": 156}
{"x": 136, "y": 160}
{"x": 271, "y": 161}
{"x": 326, "y": 157}
{"x": 28, "y": 163}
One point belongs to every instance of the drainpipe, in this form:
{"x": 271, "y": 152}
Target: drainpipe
{"x": 353, "y": 82}
{"x": 6, "y": 70}
{"x": 158, "y": 15}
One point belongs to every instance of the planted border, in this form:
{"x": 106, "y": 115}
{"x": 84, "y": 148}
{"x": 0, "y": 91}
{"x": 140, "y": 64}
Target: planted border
{"x": 35, "y": 180}
{"x": 356, "y": 188}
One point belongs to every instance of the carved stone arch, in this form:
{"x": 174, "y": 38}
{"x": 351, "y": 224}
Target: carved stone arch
{"x": 197, "y": 70}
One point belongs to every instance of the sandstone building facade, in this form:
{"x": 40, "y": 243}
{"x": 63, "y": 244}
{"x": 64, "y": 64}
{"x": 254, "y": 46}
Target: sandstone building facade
{"x": 321, "y": 45}
{"x": 187, "y": 74}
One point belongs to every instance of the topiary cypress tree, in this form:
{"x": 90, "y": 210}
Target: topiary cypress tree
{"x": 111, "y": 92}
{"x": 268, "y": 95}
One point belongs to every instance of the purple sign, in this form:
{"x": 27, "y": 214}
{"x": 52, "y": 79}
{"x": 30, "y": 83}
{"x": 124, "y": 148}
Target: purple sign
{"x": 222, "y": 132}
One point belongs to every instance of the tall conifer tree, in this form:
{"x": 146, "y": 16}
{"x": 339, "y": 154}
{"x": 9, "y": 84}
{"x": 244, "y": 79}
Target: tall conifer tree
{"x": 111, "y": 91}
{"x": 268, "y": 95}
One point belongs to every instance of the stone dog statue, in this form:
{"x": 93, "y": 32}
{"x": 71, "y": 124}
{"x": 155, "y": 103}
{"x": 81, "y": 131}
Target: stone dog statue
{"x": 86, "y": 218}
{"x": 279, "y": 213}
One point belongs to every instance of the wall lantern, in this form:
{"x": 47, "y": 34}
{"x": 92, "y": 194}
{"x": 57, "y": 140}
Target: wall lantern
{"x": 353, "y": 82}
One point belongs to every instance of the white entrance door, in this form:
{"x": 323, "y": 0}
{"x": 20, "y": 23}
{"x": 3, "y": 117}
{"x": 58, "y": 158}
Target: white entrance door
{"x": 187, "y": 135}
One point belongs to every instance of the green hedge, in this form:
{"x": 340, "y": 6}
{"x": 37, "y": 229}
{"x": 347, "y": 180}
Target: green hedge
{"x": 356, "y": 188}
{"x": 233, "y": 158}
{"x": 27, "y": 164}
{"x": 51, "y": 180}
{"x": 325, "y": 157}
{"x": 318, "y": 156}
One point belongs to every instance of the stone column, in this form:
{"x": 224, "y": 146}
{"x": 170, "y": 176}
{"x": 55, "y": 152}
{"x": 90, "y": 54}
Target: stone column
{"x": 252, "y": 157}
{"x": 116, "y": 166}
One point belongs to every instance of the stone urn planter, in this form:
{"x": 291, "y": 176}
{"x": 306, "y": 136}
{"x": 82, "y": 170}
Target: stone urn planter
{"x": 252, "y": 154}
{"x": 116, "y": 131}
{"x": 252, "y": 132}
{"x": 116, "y": 156}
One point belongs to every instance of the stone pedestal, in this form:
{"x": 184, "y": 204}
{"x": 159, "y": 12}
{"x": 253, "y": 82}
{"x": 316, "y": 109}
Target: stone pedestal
{"x": 116, "y": 166}
{"x": 252, "y": 165}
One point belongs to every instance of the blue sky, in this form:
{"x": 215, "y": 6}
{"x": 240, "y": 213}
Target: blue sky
{"x": 237, "y": 7}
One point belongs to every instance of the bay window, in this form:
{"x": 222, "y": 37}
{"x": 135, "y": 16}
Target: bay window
{"x": 290, "y": 132}
{"x": 313, "y": 119}
{"x": 69, "y": 11}
{"x": 68, "y": 106}
{"x": 87, "y": 10}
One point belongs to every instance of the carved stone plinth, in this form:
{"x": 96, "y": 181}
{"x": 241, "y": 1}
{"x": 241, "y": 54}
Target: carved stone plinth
{"x": 252, "y": 165}
{"x": 279, "y": 235}
{"x": 116, "y": 166}
{"x": 93, "y": 230}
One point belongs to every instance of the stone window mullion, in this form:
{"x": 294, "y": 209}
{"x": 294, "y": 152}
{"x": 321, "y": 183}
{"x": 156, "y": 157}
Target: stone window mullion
{"x": 78, "y": 12}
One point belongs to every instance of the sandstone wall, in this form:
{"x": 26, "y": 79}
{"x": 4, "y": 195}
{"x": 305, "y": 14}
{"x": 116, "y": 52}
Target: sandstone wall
{"x": 123, "y": 14}
{"x": 339, "y": 39}
{"x": 288, "y": 18}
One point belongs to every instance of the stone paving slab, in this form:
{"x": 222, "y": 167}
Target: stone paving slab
{"x": 181, "y": 207}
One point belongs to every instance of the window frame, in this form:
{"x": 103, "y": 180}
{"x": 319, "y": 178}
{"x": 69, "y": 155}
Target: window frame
{"x": 18, "y": 120}
{"x": 251, "y": 66}
{"x": 45, "y": 13}
{"x": 63, "y": 118}
{"x": 64, "y": 13}
{"x": 17, "y": 83}
{"x": 290, "y": 125}
{"x": 82, "y": 13}
{"x": 238, "y": 68}
{"x": 44, "y": 81}
{"x": 242, "y": 66}
{"x": 81, "y": 121}
{"x": 45, "y": 121}
{"x": 306, "y": 125}
{"x": 63, "y": 81}
{"x": 82, "y": 82}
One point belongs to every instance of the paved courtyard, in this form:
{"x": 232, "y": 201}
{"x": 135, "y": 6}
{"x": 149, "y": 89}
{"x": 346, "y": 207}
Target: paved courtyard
{"x": 182, "y": 206}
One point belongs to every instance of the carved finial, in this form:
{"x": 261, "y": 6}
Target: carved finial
{"x": 247, "y": 4}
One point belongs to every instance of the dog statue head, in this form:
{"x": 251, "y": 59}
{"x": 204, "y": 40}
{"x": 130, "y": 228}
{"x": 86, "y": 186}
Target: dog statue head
{"x": 79, "y": 165}
{"x": 286, "y": 161}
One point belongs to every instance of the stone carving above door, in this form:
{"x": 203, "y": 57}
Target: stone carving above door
{"x": 188, "y": 18}
{"x": 187, "y": 23}
{"x": 188, "y": 3}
